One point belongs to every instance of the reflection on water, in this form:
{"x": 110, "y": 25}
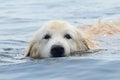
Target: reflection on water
{"x": 19, "y": 19}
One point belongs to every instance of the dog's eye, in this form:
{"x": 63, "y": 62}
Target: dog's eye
{"x": 47, "y": 36}
{"x": 67, "y": 36}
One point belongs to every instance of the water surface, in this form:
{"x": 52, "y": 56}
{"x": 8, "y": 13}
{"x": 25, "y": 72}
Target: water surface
{"x": 19, "y": 19}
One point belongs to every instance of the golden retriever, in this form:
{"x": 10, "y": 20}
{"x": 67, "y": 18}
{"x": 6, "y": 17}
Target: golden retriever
{"x": 59, "y": 38}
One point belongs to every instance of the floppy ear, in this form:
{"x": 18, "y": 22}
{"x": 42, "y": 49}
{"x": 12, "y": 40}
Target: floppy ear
{"x": 33, "y": 49}
{"x": 84, "y": 41}
{"x": 81, "y": 41}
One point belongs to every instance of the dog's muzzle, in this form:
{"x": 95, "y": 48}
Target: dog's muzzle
{"x": 57, "y": 51}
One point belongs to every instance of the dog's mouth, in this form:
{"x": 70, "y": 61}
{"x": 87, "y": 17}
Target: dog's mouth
{"x": 59, "y": 51}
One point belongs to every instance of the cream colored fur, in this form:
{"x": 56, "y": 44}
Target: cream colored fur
{"x": 82, "y": 37}
{"x": 40, "y": 48}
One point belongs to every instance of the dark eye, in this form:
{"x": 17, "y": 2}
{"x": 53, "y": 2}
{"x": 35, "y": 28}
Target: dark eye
{"x": 47, "y": 36}
{"x": 68, "y": 36}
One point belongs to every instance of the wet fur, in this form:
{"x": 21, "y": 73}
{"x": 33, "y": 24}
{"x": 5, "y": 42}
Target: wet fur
{"x": 83, "y": 36}
{"x": 105, "y": 28}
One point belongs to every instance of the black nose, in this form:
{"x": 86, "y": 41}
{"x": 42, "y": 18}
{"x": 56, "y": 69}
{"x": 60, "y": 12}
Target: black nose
{"x": 57, "y": 51}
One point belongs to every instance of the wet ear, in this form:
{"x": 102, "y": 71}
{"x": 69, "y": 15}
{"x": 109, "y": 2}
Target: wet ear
{"x": 84, "y": 41}
{"x": 33, "y": 49}
{"x": 81, "y": 41}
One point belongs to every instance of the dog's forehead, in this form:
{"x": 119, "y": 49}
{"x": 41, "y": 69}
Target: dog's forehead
{"x": 58, "y": 25}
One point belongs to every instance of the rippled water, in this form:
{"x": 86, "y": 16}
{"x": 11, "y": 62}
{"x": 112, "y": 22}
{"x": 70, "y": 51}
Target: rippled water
{"x": 19, "y": 19}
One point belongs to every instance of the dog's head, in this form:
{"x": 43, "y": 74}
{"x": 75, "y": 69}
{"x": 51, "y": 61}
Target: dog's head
{"x": 56, "y": 39}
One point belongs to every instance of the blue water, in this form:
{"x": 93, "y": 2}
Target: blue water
{"x": 19, "y": 19}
